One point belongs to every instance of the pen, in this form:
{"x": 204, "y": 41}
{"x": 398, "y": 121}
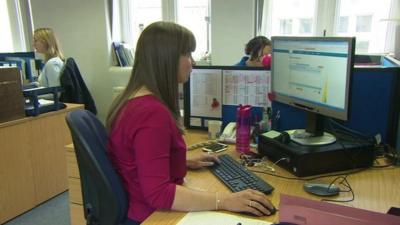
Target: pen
{"x": 283, "y": 223}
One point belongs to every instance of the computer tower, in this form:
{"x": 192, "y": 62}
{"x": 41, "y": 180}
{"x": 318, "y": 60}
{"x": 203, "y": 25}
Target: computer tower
{"x": 303, "y": 160}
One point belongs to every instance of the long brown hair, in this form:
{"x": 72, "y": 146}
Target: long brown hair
{"x": 47, "y": 36}
{"x": 156, "y": 66}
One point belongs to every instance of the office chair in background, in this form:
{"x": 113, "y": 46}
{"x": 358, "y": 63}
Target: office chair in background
{"x": 104, "y": 198}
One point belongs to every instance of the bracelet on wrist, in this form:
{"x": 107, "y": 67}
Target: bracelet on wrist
{"x": 217, "y": 201}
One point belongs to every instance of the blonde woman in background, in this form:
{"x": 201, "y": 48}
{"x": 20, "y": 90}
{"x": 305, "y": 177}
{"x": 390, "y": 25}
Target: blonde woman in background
{"x": 46, "y": 43}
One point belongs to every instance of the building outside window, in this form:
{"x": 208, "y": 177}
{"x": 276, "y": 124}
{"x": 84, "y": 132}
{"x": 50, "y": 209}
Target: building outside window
{"x": 364, "y": 23}
{"x": 305, "y": 26}
{"x": 343, "y": 24}
{"x": 285, "y": 26}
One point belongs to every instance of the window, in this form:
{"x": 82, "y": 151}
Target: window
{"x": 132, "y": 16}
{"x": 15, "y": 26}
{"x": 194, "y": 15}
{"x": 364, "y": 21}
{"x": 285, "y": 26}
{"x": 367, "y": 20}
{"x": 343, "y": 25}
{"x": 306, "y": 26}
{"x": 291, "y": 17}
{"x": 144, "y": 13}
{"x": 6, "y": 43}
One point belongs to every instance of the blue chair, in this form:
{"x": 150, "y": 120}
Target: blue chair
{"x": 104, "y": 198}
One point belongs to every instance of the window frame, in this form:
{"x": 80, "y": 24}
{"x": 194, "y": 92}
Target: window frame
{"x": 326, "y": 20}
{"x": 121, "y": 29}
{"x": 21, "y": 27}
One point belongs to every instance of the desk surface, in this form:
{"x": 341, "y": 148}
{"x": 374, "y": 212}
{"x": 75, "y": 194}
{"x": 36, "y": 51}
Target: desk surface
{"x": 374, "y": 189}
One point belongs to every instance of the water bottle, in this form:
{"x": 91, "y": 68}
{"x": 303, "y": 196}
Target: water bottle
{"x": 243, "y": 118}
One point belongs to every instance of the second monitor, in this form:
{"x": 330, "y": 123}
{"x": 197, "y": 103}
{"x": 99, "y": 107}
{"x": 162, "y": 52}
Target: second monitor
{"x": 214, "y": 92}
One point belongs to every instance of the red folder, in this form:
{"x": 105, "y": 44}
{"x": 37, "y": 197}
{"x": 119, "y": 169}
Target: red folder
{"x": 309, "y": 212}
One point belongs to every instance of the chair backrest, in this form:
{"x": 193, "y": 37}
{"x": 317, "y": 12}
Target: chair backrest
{"x": 104, "y": 198}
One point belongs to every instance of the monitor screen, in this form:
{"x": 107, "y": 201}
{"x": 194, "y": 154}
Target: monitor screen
{"x": 313, "y": 73}
{"x": 214, "y": 92}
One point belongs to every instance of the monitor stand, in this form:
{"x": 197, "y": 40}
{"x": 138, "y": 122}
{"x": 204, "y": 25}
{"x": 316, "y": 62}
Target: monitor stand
{"x": 314, "y": 134}
{"x": 302, "y": 137}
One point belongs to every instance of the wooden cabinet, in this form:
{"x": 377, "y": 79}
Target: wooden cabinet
{"x": 32, "y": 163}
{"x": 74, "y": 186}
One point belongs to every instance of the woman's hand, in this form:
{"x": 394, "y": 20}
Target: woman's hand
{"x": 204, "y": 160}
{"x": 248, "y": 201}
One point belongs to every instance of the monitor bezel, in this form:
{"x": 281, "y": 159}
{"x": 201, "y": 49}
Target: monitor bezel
{"x": 309, "y": 106}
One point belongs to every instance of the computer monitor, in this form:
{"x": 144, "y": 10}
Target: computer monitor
{"x": 314, "y": 74}
{"x": 214, "y": 93}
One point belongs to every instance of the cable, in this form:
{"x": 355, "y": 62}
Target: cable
{"x": 277, "y": 161}
{"x": 351, "y": 131}
{"x": 391, "y": 155}
{"x": 345, "y": 183}
{"x": 356, "y": 136}
{"x": 351, "y": 157}
{"x": 310, "y": 178}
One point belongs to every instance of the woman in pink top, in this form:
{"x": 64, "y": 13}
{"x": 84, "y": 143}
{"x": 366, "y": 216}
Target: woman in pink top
{"x": 258, "y": 53}
{"x": 145, "y": 141}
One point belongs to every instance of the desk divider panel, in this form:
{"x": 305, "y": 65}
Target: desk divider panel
{"x": 374, "y": 107}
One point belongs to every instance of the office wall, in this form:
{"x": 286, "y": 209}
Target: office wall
{"x": 83, "y": 30}
{"x": 232, "y": 26}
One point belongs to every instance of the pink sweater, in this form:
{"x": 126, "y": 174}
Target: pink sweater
{"x": 149, "y": 153}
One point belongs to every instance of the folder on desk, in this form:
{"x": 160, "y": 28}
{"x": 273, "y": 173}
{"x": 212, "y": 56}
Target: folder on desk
{"x": 302, "y": 211}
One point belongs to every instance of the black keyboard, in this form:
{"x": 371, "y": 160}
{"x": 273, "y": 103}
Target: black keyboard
{"x": 237, "y": 178}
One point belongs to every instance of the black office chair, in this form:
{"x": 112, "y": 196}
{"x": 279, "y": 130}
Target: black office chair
{"x": 104, "y": 198}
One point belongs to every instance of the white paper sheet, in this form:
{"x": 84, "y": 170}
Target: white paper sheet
{"x": 213, "y": 218}
{"x": 246, "y": 87}
{"x": 206, "y": 95}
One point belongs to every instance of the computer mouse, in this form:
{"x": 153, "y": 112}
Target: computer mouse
{"x": 272, "y": 212}
{"x": 321, "y": 189}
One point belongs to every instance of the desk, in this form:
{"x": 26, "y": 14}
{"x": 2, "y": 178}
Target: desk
{"x": 32, "y": 162}
{"x": 374, "y": 189}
